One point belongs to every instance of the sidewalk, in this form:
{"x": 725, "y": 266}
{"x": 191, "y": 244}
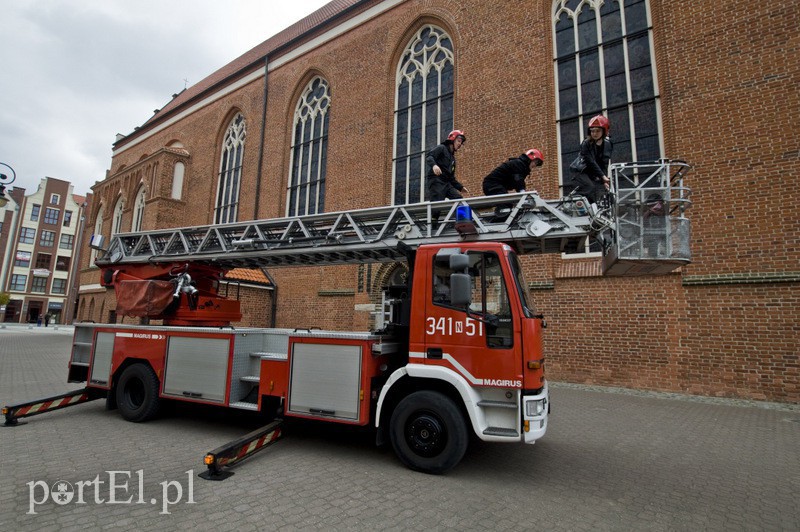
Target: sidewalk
{"x": 32, "y": 328}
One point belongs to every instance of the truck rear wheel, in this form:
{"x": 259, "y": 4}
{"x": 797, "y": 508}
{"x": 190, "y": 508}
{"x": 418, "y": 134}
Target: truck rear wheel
{"x": 428, "y": 432}
{"x": 137, "y": 393}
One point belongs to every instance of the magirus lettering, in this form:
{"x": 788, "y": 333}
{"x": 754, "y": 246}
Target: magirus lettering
{"x": 503, "y": 383}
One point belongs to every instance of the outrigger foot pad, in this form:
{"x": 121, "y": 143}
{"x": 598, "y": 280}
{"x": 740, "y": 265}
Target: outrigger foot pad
{"x": 239, "y": 449}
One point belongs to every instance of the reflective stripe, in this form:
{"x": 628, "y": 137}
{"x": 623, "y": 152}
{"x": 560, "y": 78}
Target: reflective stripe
{"x": 454, "y": 363}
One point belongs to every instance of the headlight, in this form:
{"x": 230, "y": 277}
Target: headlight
{"x": 535, "y": 408}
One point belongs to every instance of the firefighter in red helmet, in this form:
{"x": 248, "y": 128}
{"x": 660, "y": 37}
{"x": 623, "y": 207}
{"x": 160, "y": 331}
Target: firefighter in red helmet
{"x": 590, "y": 168}
{"x": 510, "y": 175}
{"x": 441, "y": 163}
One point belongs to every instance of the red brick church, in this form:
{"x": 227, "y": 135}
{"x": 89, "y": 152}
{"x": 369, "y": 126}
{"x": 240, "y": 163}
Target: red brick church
{"x": 337, "y": 111}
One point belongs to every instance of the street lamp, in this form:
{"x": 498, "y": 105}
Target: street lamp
{"x": 5, "y": 180}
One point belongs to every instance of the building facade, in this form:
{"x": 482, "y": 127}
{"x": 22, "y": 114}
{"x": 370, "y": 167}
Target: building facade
{"x": 337, "y": 112}
{"x": 41, "y": 234}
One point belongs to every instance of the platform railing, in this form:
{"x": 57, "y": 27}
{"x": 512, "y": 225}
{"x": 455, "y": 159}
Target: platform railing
{"x": 651, "y": 233}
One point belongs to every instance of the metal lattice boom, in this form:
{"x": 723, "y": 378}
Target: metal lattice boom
{"x": 634, "y": 240}
{"x": 528, "y": 222}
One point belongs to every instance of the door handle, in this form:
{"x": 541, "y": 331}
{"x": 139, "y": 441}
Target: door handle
{"x": 435, "y": 352}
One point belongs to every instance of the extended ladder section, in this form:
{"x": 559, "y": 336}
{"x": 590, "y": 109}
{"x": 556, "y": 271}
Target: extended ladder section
{"x": 525, "y": 221}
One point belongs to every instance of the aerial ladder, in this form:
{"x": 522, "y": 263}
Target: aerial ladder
{"x": 460, "y": 349}
{"x": 641, "y": 227}
{"x": 524, "y": 220}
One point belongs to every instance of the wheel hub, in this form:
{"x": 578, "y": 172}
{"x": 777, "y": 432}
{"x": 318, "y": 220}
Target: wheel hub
{"x": 426, "y": 435}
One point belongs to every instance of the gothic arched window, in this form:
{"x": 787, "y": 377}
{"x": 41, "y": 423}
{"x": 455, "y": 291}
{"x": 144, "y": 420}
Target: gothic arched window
{"x": 177, "y": 180}
{"x": 138, "y": 210}
{"x": 230, "y": 172}
{"x": 309, "y": 155}
{"x": 98, "y": 230}
{"x": 423, "y": 113}
{"x": 116, "y": 221}
{"x": 605, "y": 64}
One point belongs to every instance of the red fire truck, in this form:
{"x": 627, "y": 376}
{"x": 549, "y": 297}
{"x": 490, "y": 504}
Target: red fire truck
{"x": 456, "y": 349}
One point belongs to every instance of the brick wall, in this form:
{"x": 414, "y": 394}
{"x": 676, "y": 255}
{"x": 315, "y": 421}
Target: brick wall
{"x": 727, "y": 79}
{"x": 256, "y": 304}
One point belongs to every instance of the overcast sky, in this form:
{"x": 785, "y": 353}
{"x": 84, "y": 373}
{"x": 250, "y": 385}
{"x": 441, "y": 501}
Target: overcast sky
{"x": 73, "y": 74}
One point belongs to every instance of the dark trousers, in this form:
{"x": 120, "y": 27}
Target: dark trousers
{"x": 493, "y": 189}
{"x": 586, "y": 186}
{"x": 439, "y": 189}
{"x": 496, "y": 189}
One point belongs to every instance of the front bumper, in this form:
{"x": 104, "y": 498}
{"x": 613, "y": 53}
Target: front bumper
{"x": 535, "y": 411}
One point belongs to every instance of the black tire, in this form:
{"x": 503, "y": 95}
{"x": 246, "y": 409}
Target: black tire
{"x": 137, "y": 393}
{"x": 428, "y": 432}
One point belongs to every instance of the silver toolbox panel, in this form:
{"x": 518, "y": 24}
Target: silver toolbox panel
{"x": 82, "y": 344}
{"x": 103, "y": 350}
{"x": 197, "y": 368}
{"x": 325, "y": 380}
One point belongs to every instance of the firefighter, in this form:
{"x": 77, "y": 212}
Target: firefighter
{"x": 441, "y": 162}
{"x": 589, "y": 169}
{"x": 511, "y": 174}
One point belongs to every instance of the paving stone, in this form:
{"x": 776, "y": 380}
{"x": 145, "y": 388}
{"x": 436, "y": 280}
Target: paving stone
{"x": 613, "y": 459}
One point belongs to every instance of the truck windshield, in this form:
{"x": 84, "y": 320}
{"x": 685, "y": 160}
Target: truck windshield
{"x": 522, "y": 285}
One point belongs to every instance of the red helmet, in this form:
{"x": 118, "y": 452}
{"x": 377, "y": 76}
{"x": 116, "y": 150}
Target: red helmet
{"x": 600, "y": 121}
{"x": 534, "y": 154}
{"x": 455, "y": 134}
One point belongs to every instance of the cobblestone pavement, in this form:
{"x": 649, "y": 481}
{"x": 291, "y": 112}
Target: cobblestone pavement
{"x": 611, "y": 460}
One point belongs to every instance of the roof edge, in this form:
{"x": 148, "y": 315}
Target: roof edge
{"x": 167, "y": 112}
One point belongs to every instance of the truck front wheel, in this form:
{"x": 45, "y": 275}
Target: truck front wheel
{"x": 428, "y": 432}
{"x": 137, "y": 393}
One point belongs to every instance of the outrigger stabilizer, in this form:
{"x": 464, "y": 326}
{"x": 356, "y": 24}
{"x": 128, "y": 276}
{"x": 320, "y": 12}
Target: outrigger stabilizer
{"x": 32, "y": 408}
{"x": 237, "y": 450}
{"x": 225, "y": 456}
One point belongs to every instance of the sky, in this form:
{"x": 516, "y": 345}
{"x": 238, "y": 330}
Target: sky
{"x": 75, "y": 73}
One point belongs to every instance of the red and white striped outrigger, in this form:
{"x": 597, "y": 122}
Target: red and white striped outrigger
{"x": 237, "y": 450}
{"x": 40, "y": 406}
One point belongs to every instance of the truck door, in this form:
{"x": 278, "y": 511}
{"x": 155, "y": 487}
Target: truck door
{"x": 481, "y": 343}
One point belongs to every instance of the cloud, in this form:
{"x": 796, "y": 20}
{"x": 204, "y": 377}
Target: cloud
{"x": 74, "y": 74}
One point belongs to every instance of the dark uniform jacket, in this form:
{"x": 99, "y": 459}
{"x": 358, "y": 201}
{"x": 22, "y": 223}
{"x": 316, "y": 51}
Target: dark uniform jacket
{"x": 508, "y": 176}
{"x": 441, "y": 186}
{"x": 596, "y": 158}
{"x": 589, "y": 183}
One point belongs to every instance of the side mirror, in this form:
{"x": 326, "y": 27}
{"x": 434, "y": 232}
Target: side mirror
{"x": 460, "y": 289}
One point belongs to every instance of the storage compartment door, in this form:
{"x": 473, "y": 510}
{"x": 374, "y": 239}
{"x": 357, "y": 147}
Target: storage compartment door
{"x": 197, "y": 368}
{"x": 101, "y": 365}
{"x": 325, "y": 380}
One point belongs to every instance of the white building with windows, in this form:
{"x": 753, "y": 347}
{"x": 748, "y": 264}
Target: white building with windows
{"x": 41, "y": 254}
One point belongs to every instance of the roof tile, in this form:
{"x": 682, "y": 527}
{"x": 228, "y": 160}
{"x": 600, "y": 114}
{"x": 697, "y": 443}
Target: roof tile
{"x": 247, "y": 275}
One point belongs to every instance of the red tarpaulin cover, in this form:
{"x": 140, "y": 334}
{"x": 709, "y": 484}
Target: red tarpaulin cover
{"x": 144, "y": 299}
